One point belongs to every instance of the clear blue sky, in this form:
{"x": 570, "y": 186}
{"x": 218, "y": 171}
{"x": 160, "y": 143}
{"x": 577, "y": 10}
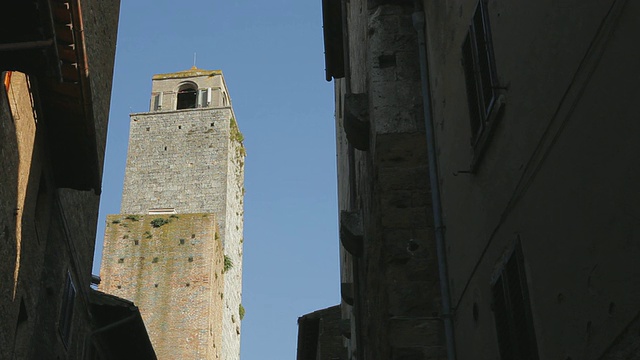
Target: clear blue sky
{"x": 271, "y": 53}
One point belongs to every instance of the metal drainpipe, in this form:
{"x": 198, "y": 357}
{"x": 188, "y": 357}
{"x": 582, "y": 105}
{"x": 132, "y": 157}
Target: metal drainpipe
{"x": 419, "y": 25}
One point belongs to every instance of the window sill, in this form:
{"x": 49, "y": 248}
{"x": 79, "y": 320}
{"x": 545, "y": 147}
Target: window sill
{"x": 483, "y": 142}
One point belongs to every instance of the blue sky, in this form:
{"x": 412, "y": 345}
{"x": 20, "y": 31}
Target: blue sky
{"x": 271, "y": 53}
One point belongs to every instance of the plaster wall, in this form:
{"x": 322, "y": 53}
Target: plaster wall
{"x": 558, "y": 174}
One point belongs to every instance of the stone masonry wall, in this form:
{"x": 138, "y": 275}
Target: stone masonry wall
{"x": 233, "y": 243}
{"x": 193, "y": 161}
{"x": 177, "y": 159}
{"x": 175, "y": 274}
{"x": 396, "y": 306}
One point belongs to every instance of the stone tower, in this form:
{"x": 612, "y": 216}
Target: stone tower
{"x": 175, "y": 249}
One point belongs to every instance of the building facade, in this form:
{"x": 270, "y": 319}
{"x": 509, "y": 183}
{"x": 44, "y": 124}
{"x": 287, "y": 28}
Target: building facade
{"x": 56, "y": 67}
{"x": 389, "y": 275}
{"x": 175, "y": 249}
{"x": 533, "y": 105}
{"x": 320, "y": 335}
{"x": 516, "y": 177}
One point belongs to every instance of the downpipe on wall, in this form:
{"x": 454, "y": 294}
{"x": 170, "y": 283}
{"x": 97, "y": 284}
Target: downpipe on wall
{"x": 418, "y": 19}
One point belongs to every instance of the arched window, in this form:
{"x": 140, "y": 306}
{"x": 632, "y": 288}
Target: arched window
{"x": 187, "y": 95}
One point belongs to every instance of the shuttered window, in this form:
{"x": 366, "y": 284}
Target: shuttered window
{"x": 512, "y": 312}
{"x": 479, "y": 70}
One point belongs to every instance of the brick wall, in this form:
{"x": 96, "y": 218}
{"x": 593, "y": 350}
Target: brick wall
{"x": 175, "y": 274}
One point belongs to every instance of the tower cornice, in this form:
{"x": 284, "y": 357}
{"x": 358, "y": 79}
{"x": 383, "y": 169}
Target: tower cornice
{"x": 193, "y": 72}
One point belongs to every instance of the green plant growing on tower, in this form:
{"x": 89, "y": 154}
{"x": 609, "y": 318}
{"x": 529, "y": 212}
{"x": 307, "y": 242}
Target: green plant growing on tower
{"x": 133, "y": 217}
{"x": 157, "y": 222}
{"x": 116, "y": 221}
{"x": 241, "y": 312}
{"x": 147, "y": 235}
{"x": 236, "y": 135}
{"x": 235, "y": 132}
{"x": 228, "y": 263}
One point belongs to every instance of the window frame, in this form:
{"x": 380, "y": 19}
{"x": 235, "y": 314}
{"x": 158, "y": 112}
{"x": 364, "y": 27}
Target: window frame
{"x": 484, "y": 99}
{"x": 513, "y": 317}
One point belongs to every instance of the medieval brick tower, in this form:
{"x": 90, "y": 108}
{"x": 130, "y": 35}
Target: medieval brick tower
{"x": 175, "y": 249}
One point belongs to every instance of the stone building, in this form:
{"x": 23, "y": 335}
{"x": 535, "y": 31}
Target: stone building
{"x": 175, "y": 249}
{"x": 320, "y": 335}
{"x": 56, "y": 66}
{"x": 486, "y": 174}
{"x": 389, "y": 274}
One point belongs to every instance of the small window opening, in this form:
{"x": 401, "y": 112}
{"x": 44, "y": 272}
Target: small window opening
{"x": 161, "y": 211}
{"x": 155, "y": 285}
{"x": 181, "y": 241}
{"x": 387, "y": 61}
{"x": 136, "y": 242}
{"x": 165, "y": 148}
{"x": 179, "y": 126}
{"x": 155, "y": 260}
{"x": 188, "y": 284}
{"x": 612, "y": 308}
{"x": 119, "y": 286}
{"x": 193, "y": 236}
{"x": 211, "y": 124}
{"x": 190, "y": 258}
{"x": 187, "y": 97}
{"x": 120, "y": 261}
{"x": 147, "y": 129}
